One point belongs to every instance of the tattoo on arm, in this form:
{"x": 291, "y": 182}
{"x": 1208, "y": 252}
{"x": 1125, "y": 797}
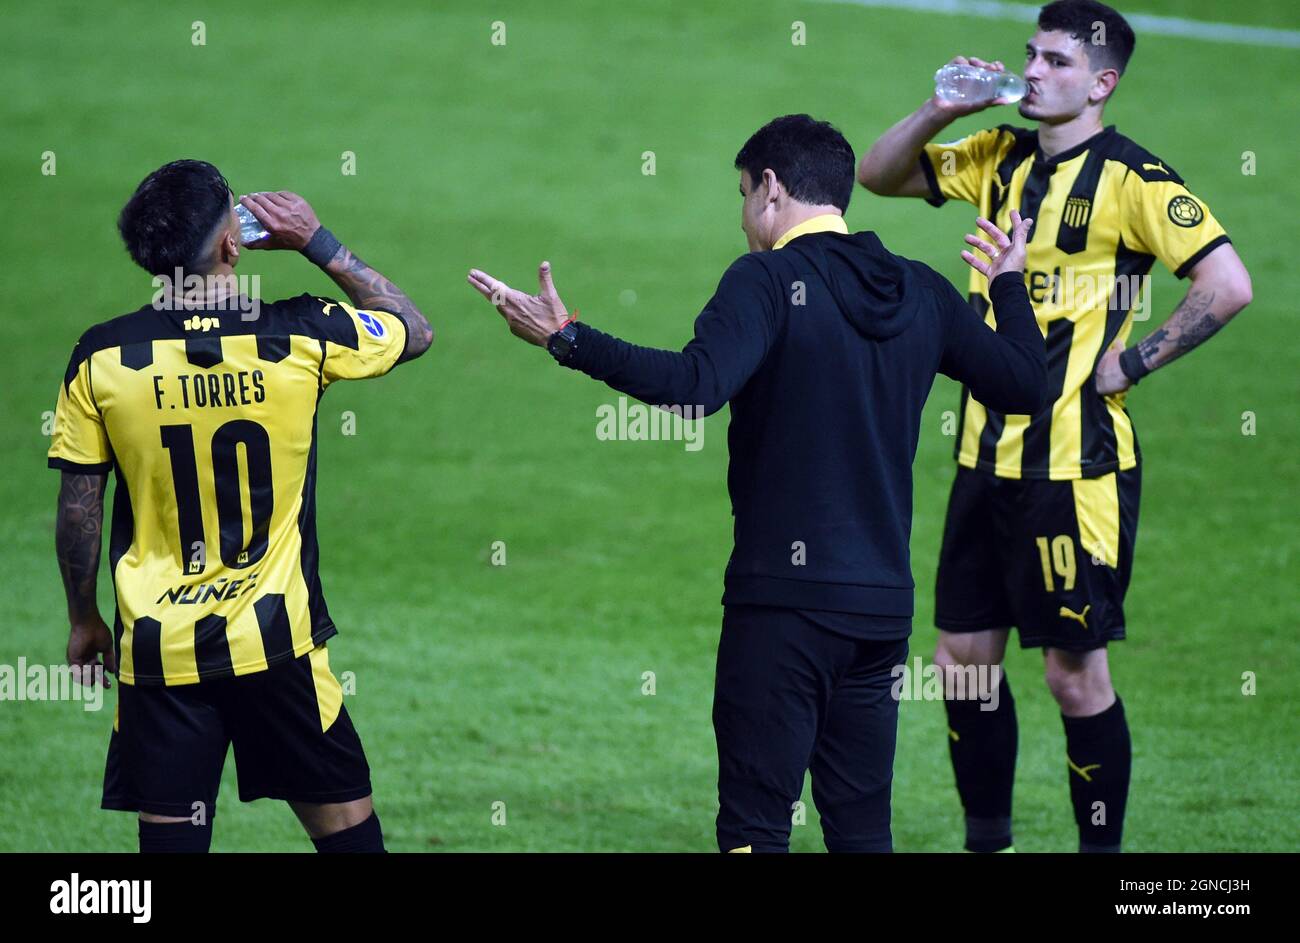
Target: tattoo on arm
{"x": 367, "y": 288}
{"x": 1192, "y": 323}
{"x": 78, "y": 530}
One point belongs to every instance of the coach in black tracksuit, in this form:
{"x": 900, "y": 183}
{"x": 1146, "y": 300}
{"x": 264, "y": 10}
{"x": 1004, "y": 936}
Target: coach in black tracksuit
{"x": 826, "y": 348}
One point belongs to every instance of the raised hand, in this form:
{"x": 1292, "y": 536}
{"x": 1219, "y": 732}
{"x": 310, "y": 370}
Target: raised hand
{"x": 1005, "y": 253}
{"x": 288, "y": 218}
{"x": 958, "y": 109}
{"x": 533, "y": 318}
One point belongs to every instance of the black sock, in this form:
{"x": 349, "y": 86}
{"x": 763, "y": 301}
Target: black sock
{"x": 367, "y": 837}
{"x": 175, "y": 837}
{"x": 1100, "y": 758}
{"x": 982, "y": 745}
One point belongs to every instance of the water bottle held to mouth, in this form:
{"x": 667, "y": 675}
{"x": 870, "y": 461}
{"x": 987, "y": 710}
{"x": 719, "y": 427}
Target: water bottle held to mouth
{"x": 250, "y": 229}
{"x": 969, "y": 85}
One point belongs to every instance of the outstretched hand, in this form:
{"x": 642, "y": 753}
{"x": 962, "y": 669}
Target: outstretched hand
{"x": 531, "y": 317}
{"x": 1005, "y": 253}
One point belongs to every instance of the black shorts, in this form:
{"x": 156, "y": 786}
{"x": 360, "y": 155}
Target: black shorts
{"x": 1052, "y": 558}
{"x": 791, "y": 696}
{"x": 293, "y": 740}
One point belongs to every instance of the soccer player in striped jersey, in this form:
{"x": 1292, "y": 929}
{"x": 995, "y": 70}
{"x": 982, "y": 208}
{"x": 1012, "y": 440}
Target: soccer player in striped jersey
{"x": 1043, "y": 513}
{"x": 203, "y": 405}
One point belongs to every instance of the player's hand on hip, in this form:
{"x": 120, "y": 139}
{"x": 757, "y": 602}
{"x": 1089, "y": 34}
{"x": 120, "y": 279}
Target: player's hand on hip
{"x": 1109, "y": 378}
{"x": 531, "y": 317}
{"x": 288, "y": 218}
{"x": 1005, "y": 253}
{"x": 958, "y": 109}
{"x": 86, "y": 642}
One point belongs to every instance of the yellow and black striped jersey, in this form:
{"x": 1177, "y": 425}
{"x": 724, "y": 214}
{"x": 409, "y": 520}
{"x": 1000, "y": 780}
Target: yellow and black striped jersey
{"x": 208, "y": 420}
{"x": 1103, "y": 211}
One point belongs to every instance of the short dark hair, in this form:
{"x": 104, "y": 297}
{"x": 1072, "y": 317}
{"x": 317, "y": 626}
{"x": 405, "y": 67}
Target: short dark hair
{"x": 1079, "y": 18}
{"x": 168, "y": 220}
{"x": 811, "y": 158}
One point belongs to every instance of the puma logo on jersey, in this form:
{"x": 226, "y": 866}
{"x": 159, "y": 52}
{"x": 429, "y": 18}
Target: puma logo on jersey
{"x": 1159, "y": 165}
{"x": 1081, "y": 770}
{"x": 326, "y": 309}
{"x": 197, "y": 323}
{"x": 1079, "y": 617}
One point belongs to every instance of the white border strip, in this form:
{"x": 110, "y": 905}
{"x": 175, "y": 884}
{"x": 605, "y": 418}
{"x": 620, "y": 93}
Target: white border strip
{"x": 1141, "y": 22}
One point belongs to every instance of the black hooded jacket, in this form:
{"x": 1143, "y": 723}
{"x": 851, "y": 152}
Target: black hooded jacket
{"x": 826, "y": 350}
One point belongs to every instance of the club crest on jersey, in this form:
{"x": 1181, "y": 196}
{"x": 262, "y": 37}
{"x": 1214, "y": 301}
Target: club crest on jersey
{"x": 1184, "y": 211}
{"x": 374, "y": 327}
{"x": 1077, "y": 210}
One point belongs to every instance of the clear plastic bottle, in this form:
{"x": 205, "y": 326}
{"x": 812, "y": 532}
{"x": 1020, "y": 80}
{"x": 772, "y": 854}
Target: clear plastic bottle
{"x": 250, "y": 230}
{"x": 969, "y": 85}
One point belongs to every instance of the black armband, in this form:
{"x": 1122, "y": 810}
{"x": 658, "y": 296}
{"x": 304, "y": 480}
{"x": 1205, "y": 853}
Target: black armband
{"x": 321, "y": 248}
{"x": 1132, "y": 366}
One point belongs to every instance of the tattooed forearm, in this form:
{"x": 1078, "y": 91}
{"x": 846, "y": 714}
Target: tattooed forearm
{"x": 1193, "y": 322}
{"x": 367, "y": 288}
{"x": 78, "y": 529}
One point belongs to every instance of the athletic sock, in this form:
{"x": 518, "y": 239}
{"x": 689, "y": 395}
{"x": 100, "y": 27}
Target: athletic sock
{"x": 367, "y": 837}
{"x": 982, "y": 745}
{"x": 1099, "y": 757}
{"x": 175, "y": 837}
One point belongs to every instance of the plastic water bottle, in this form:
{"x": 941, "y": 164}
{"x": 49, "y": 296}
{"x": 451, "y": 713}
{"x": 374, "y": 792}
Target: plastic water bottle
{"x": 250, "y": 230}
{"x": 969, "y": 85}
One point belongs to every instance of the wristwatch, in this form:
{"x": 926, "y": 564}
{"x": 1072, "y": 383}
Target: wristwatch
{"x": 563, "y": 342}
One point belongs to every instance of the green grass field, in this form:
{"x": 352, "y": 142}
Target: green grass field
{"x": 521, "y": 684}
